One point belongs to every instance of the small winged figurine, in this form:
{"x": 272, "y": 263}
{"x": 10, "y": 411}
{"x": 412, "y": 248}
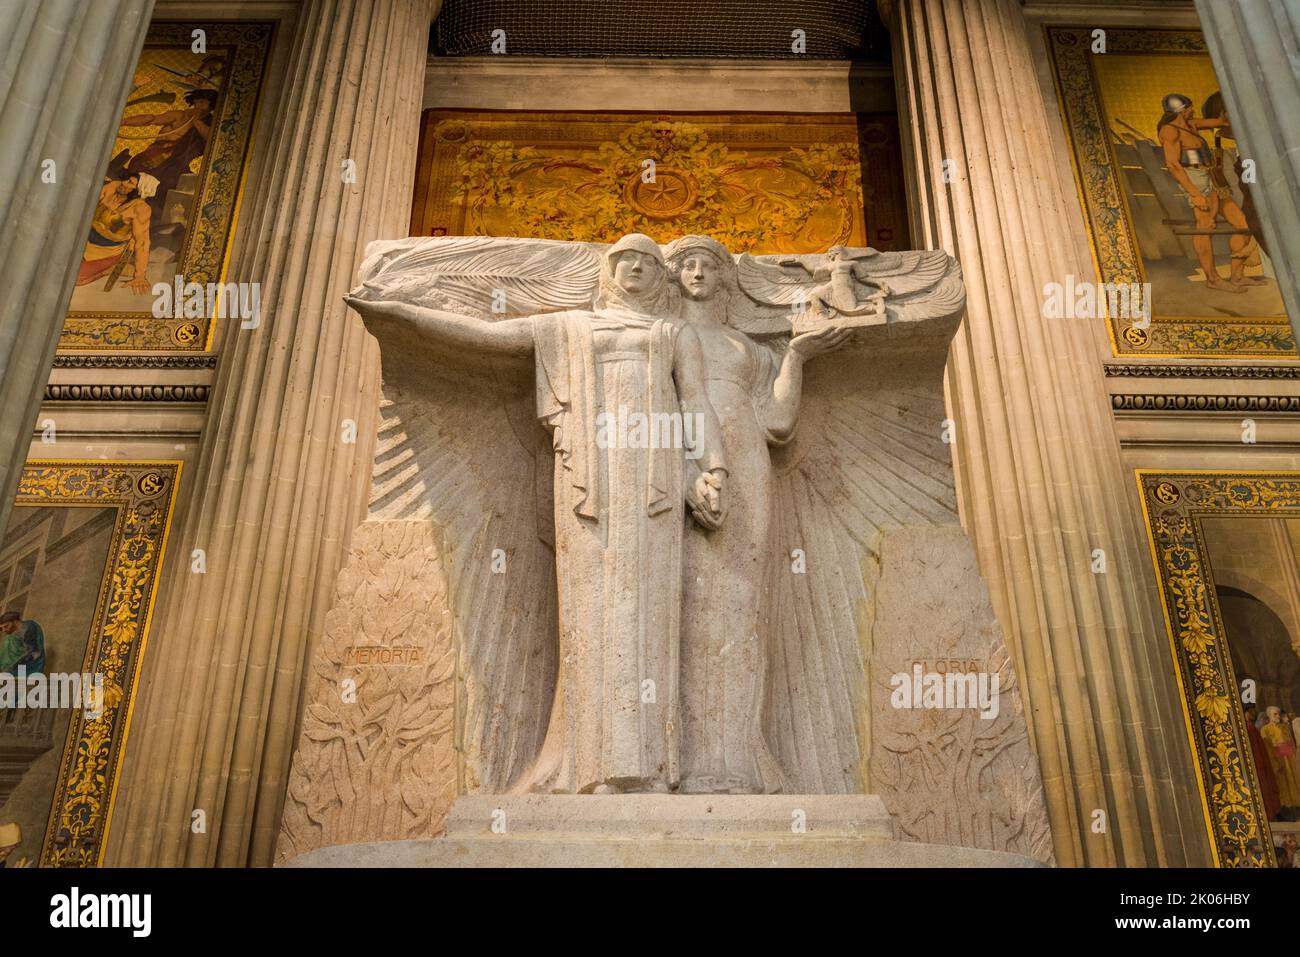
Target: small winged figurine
{"x": 849, "y": 287}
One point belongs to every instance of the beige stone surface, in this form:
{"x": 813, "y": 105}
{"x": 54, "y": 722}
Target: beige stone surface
{"x": 644, "y": 830}
{"x": 733, "y": 662}
{"x": 667, "y": 852}
{"x": 375, "y": 759}
{"x": 815, "y": 816}
{"x": 932, "y": 606}
{"x": 283, "y": 472}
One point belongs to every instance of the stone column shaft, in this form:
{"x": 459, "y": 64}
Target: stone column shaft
{"x": 279, "y": 485}
{"x": 1255, "y": 45}
{"x": 1038, "y": 469}
{"x": 65, "y": 71}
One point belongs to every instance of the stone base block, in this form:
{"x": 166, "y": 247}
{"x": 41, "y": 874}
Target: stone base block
{"x": 662, "y": 830}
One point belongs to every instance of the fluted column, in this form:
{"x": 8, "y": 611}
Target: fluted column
{"x": 65, "y": 71}
{"x": 1039, "y": 475}
{"x": 280, "y": 483}
{"x": 1255, "y": 45}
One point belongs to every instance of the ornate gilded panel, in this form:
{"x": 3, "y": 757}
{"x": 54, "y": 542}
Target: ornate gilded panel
{"x": 83, "y": 553}
{"x": 757, "y": 182}
{"x": 1212, "y": 287}
{"x": 172, "y": 185}
{"x": 1176, "y": 505}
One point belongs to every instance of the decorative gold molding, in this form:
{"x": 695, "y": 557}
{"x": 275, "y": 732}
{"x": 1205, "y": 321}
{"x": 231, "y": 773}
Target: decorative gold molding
{"x": 82, "y": 360}
{"x": 1187, "y": 402}
{"x": 760, "y": 182}
{"x": 114, "y": 392}
{"x": 1174, "y": 504}
{"x": 1165, "y": 371}
{"x": 144, "y": 494}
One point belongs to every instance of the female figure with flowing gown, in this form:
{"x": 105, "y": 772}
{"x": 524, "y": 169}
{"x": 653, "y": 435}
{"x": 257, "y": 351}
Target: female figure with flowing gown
{"x": 619, "y": 513}
{"x": 726, "y": 621}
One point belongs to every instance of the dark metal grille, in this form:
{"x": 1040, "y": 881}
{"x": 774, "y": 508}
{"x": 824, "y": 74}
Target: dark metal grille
{"x": 834, "y": 29}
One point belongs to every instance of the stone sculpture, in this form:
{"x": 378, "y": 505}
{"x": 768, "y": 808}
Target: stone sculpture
{"x": 664, "y": 528}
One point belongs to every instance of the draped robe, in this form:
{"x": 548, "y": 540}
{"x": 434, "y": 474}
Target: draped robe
{"x": 619, "y": 515}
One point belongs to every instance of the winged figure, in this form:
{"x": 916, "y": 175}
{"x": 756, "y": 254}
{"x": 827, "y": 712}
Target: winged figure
{"x": 664, "y": 616}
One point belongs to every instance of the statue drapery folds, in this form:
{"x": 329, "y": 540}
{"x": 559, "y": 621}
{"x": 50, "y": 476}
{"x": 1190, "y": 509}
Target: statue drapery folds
{"x": 648, "y": 631}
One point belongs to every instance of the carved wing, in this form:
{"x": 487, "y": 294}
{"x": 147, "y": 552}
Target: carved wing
{"x": 461, "y": 445}
{"x": 482, "y": 276}
{"x": 772, "y": 281}
{"x": 465, "y": 450}
{"x": 867, "y": 458}
{"x": 922, "y": 284}
{"x": 907, "y": 273}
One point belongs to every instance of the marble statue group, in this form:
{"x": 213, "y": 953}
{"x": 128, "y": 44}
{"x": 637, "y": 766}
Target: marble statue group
{"x": 664, "y": 556}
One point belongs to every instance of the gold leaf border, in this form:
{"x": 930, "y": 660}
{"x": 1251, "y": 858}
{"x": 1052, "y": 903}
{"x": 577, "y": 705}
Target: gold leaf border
{"x": 1105, "y": 205}
{"x": 144, "y": 494}
{"x": 1174, "y": 504}
{"x": 222, "y": 176}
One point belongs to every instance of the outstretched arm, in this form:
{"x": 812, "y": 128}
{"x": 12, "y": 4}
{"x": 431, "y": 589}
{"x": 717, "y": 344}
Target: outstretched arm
{"x": 448, "y": 330}
{"x": 787, "y": 388}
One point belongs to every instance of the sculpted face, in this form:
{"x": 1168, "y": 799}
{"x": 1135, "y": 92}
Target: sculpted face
{"x": 636, "y": 272}
{"x": 701, "y": 275}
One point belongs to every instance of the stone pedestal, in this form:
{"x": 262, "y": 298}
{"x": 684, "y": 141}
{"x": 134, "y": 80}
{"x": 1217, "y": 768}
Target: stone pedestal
{"x": 663, "y": 830}
{"x": 387, "y": 655}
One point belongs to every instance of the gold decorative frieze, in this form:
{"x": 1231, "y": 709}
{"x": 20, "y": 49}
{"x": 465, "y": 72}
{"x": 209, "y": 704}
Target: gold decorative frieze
{"x": 757, "y": 182}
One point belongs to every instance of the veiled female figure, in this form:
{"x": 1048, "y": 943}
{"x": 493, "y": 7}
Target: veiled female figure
{"x": 619, "y": 513}
{"x": 726, "y": 620}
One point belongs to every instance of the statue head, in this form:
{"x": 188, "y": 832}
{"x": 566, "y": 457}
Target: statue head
{"x": 841, "y": 253}
{"x": 634, "y": 277}
{"x": 704, "y": 269}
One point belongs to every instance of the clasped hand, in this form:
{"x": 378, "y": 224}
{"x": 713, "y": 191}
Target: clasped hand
{"x": 704, "y": 495}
